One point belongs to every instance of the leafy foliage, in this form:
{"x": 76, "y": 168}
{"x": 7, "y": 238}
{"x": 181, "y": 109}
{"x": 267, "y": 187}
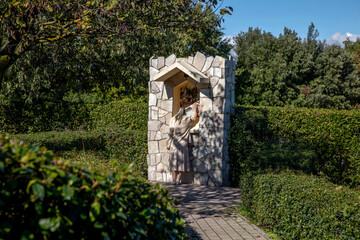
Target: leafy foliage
{"x": 254, "y": 148}
{"x": 332, "y": 134}
{"x": 87, "y": 44}
{"x": 17, "y": 116}
{"x": 314, "y": 141}
{"x": 73, "y": 112}
{"x": 354, "y": 48}
{"x": 124, "y": 114}
{"x": 123, "y": 146}
{"x": 43, "y": 197}
{"x": 301, "y": 206}
{"x": 289, "y": 71}
{"x": 94, "y": 47}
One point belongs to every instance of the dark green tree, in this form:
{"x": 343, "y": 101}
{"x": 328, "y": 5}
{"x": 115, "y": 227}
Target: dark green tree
{"x": 289, "y": 71}
{"x": 336, "y": 83}
{"x": 79, "y": 54}
{"x": 24, "y": 24}
{"x": 354, "y": 48}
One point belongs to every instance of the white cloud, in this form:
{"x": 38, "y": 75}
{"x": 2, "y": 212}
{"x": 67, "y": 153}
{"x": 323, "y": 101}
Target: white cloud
{"x": 230, "y": 38}
{"x": 232, "y": 42}
{"x": 338, "y": 39}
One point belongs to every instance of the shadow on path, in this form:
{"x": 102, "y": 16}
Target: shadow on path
{"x": 207, "y": 214}
{"x": 204, "y": 200}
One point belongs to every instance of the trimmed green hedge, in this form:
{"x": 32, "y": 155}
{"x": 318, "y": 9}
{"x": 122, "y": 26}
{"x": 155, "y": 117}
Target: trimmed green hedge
{"x": 301, "y": 207}
{"x": 311, "y": 140}
{"x": 73, "y": 114}
{"x": 125, "y": 114}
{"x": 42, "y": 197}
{"x": 127, "y": 146}
{"x": 254, "y": 148}
{"x": 19, "y": 117}
{"x": 65, "y": 140}
{"x": 333, "y": 134}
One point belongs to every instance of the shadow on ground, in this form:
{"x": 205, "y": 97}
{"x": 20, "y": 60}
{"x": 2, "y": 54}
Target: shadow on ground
{"x": 204, "y": 200}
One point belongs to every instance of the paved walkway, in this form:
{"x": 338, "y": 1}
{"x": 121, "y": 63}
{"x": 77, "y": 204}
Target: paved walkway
{"x": 205, "y": 210}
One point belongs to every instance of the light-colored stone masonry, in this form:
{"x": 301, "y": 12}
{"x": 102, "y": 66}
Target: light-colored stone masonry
{"x": 215, "y": 79}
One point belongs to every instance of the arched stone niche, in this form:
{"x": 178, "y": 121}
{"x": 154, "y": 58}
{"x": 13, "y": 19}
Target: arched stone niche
{"x": 214, "y": 79}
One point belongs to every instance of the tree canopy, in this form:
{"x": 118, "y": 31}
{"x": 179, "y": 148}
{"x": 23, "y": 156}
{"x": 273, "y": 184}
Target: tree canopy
{"x": 290, "y": 71}
{"x": 27, "y": 23}
{"x": 65, "y": 53}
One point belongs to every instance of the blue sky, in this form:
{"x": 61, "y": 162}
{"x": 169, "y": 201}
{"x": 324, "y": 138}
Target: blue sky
{"x": 334, "y": 19}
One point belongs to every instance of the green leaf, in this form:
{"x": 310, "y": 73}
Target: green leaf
{"x": 121, "y": 215}
{"x": 31, "y": 182}
{"x": 39, "y": 190}
{"x": 50, "y": 223}
{"x": 99, "y": 225}
{"x": 96, "y": 207}
{"x": 2, "y": 166}
{"x": 105, "y": 235}
{"x": 67, "y": 192}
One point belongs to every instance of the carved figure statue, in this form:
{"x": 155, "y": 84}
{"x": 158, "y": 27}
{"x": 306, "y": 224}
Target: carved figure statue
{"x": 178, "y": 141}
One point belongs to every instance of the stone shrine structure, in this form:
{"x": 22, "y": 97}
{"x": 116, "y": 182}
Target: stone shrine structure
{"x": 173, "y": 79}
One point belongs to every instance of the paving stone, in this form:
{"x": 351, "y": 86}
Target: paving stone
{"x": 205, "y": 227}
{"x": 227, "y": 227}
{"x": 216, "y": 227}
{"x": 205, "y": 211}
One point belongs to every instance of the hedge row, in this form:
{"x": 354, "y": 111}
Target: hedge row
{"x": 125, "y": 114}
{"x": 311, "y": 140}
{"x": 254, "y": 148}
{"x": 73, "y": 115}
{"x": 127, "y": 146}
{"x": 301, "y": 207}
{"x": 333, "y": 134}
{"x": 19, "y": 117}
{"x": 42, "y": 197}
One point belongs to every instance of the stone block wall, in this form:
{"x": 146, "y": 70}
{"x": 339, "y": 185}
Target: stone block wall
{"x": 209, "y": 153}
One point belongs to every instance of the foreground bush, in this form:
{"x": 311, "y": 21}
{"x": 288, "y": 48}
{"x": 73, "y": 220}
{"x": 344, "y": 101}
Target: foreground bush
{"x": 126, "y": 146}
{"x": 311, "y": 140}
{"x": 42, "y": 197}
{"x": 301, "y": 207}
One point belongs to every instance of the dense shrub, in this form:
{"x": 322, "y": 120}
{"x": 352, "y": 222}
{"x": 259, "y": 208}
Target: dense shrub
{"x": 333, "y": 134}
{"x": 126, "y": 146}
{"x": 66, "y": 140}
{"x": 301, "y": 207}
{"x": 72, "y": 113}
{"x": 311, "y": 140}
{"x": 254, "y": 148}
{"x": 19, "y": 117}
{"x": 42, "y": 197}
{"x": 125, "y": 114}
